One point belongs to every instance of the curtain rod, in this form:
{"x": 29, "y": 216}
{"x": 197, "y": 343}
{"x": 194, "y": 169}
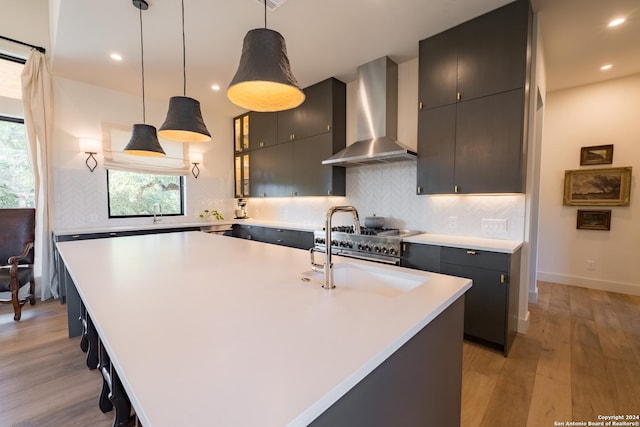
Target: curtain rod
{"x": 38, "y": 48}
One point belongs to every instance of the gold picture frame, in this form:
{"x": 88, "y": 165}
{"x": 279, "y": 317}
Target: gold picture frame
{"x": 594, "y": 220}
{"x": 596, "y": 155}
{"x": 597, "y": 187}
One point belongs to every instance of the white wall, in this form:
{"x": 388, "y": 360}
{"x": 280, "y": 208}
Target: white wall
{"x": 80, "y": 197}
{"x": 596, "y": 114}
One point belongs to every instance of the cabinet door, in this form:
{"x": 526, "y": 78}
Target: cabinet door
{"x": 485, "y": 303}
{"x": 249, "y": 232}
{"x": 271, "y": 171}
{"x": 492, "y": 51}
{"x": 312, "y": 117}
{"x": 421, "y": 257}
{"x": 282, "y": 237}
{"x": 263, "y": 129}
{"x": 436, "y": 150}
{"x": 310, "y": 176}
{"x": 241, "y": 133}
{"x": 489, "y": 144}
{"x": 438, "y": 64}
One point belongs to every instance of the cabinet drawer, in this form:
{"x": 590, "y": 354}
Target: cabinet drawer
{"x": 475, "y": 258}
{"x": 421, "y": 257}
{"x": 280, "y": 236}
{"x": 249, "y": 232}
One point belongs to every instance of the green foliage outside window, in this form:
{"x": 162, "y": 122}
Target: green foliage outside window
{"x": 16, "y": 176}
{"x": 138, "y": 194}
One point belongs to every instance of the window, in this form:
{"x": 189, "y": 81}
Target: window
{"x": 16, "y": 175}
{"x": 134, "y": 194}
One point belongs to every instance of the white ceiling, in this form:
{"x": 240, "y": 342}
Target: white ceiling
{"x": 324, "y": 38}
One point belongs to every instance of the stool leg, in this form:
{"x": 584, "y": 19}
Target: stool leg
{"x": 92, "y": 337}
{"x": 105, "y": 369}
{"x": 120, "y": 401}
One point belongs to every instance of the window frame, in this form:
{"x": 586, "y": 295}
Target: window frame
{"x": 182, "y": 197}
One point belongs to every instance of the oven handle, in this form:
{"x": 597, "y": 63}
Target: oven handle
{"x": 391, "y": 261}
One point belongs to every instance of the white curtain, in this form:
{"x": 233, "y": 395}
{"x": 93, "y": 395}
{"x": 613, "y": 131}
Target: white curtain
{"x": 38, "y": 116}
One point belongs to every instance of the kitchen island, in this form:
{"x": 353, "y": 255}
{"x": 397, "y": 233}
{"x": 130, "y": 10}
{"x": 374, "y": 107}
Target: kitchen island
{"x": 208, "y": 330}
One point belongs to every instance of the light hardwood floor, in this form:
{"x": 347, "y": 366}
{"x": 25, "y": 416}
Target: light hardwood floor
{"x": 580, "y": 359}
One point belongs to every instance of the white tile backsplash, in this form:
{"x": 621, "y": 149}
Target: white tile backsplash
{"x": 386, "y": 190}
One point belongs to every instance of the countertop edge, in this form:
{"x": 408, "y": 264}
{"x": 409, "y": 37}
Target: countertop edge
{"x": 493, "y": 245}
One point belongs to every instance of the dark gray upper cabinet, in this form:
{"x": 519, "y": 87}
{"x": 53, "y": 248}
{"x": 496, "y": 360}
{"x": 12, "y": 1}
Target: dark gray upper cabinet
{"x": 271, "y": 172}
{"x": 292, "y": 165}
{"x": 473, "y": 105}
{"x": 310, "y": 176}
{"x": 263, "y": 129}
{"x": 316, "y": 115}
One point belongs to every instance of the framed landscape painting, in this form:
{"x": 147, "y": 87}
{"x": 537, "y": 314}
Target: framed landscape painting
{"x": 597, "y": 187}
{"x": 596, "y": 155}
{"x": 594, "y": 220}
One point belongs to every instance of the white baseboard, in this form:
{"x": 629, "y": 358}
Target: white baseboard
{"x": 533, "y": 296}
{"x": 603, "y": 285}
{"x": 523, "y": 324}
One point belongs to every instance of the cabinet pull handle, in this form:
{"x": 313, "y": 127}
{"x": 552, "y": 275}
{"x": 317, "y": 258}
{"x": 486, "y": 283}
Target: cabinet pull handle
{"x": 420, "y": 105}
{"x": 419, "y": 189}
{"x": 404, "y": 247}
{"x": 503, "y": 278}
{"x": 328, "y": 127}
{"x": 279, "y": 240}
{"x": 455, "y": 188}
{"x": 261, "y": 144}
{"x": 471, "y": 252}
{"x": 458, "y": 96}
{"x": 75, "y": 236}
{"x": 329, "y": 193}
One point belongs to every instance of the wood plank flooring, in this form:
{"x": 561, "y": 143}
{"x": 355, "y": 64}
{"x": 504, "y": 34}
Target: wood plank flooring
{"x": 580, "y": 359}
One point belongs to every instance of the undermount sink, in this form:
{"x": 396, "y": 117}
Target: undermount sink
{"x": 370, "y": 279}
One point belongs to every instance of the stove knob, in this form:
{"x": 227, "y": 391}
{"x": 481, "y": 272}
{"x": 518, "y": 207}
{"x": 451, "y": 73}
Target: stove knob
{"x": 393, "y": 251}
{"x": 367, "y": 248}
{"x": 376, "y": 248}
{"x": 343, "y": 244}
{"x": 350, "y": 245}
{"x": 385, "y": 250}
{"x": 334, "y": 243}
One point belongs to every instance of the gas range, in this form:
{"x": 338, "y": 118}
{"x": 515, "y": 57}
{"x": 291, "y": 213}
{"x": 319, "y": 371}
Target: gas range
{"x": 380, "y": 245}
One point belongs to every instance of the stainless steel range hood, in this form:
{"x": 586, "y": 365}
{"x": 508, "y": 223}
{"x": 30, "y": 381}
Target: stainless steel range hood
{"x": 377, "y": 120}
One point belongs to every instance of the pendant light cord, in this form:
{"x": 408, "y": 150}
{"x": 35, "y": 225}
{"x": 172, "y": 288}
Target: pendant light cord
{"x": 184, "y": 57}
{"x": 144, "y": 116}
{"x": 265, "y": 13}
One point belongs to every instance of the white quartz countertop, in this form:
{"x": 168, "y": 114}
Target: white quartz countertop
{"x": 225, "y": 332}
{"x": 146, "y": 226}
{"x": 494, "y": 245}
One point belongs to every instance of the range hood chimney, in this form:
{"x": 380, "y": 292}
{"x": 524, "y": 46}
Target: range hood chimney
{"x": 377, "y": 120}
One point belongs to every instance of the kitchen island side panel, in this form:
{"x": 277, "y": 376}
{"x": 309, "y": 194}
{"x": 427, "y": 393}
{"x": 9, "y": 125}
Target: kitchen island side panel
{"x": 419, "y": 385}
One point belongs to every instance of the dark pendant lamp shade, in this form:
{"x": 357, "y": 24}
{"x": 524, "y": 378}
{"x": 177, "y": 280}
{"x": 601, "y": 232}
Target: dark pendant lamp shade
{"x": 184, "y": 121}
{"x": 264, "y": 81}
{"x": 144, "y": 142}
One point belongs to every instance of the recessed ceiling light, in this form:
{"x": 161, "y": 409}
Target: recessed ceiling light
{"x": 606, "y": 67}
{"x": 116, "y": 56}
{"x": 215, "y": 87}
{"x": 616, "y": 22}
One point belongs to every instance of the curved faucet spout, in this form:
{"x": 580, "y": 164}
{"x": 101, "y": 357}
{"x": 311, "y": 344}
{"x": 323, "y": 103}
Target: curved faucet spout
{"x": 328, "y": 266}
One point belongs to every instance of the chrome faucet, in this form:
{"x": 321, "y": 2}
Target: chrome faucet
{"x": 327, "y": 267}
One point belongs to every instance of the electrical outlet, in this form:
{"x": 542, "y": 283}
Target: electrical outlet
{"x": 591, "y": 264}
{"x": 453, "y": 222}
{"x": 492, "y": 226}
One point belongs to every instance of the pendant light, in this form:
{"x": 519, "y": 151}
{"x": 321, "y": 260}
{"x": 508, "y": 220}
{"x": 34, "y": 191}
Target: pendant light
{"x": 144, "y": 141}
{"x": 184, "y": 119}
{"x": 264, "y": 81}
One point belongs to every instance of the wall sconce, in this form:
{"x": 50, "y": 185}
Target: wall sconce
{"x": 195, "y": 158}
{"x": 91, "y": 147}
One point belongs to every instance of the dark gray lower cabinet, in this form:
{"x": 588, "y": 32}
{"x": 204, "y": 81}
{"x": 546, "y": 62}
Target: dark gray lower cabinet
{"x": 491, "y": 305}
{"x": 276, "y": 236}
{"x": 421, "y": 257}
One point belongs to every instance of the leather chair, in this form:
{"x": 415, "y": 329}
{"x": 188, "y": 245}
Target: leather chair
{"x": 17, "y": 235}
